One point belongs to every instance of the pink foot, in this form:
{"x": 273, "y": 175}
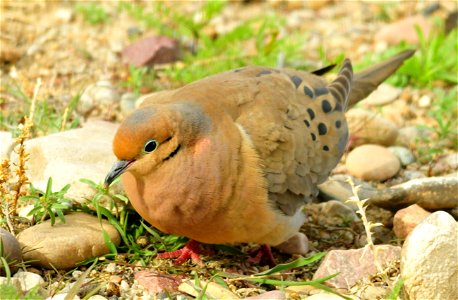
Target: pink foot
{"x": 191, "y": 250}
{"x": 263, "y": 252}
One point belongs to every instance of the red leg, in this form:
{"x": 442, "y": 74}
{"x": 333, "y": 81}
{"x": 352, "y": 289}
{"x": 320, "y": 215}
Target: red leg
{"x": 191, "y": 250}
{"x": 263, "y": 252}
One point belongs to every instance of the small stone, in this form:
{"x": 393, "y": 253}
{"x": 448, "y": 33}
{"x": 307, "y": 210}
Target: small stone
{"x": 445, "y": 164}
{"x": 76, "y": 274}
{"x": 97, "y": 297}
{"x": 410, "y": 135}
{"x": 404, "y": 155}
{"x": 324, "y": 296}
{"x": 430, "y": 259}
{"x": 297, "y": 244}
{"x": 151, "y": 50}
{"x": 99, "y": 96}
{"x": 116, "y": 279}
{"x": 372, "y": 162}
{"x": 384, "y": 94}
{"x": 128, "y": 101}
{"x": 271, "y": 295}
{"x": 29, "y": 280}
{"x": 374, "y": 292}
{"x": 62, "y": 296}
{"x": 406, "y": 219}
{"x": 110, "y": 268}
{"x": 213, "y": 291}
{"x": 337, "y": 209}
{"x": 64, "y": 245}
{"x": 404, "y": 30}
{"x": 156, "y": 282}
{"x": 355, "y": 264}
{"x": 64, "y": 14}
{"x": 6, "y": 144}
{"x": 367, "y": 127}
{"x": 10, "y": 250}
{"x": 424, "y": 101}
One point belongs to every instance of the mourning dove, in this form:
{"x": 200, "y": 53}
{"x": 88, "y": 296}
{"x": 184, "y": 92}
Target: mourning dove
{"x": 232, "y": 158}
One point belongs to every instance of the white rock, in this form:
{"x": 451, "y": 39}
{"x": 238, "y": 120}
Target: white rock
{"x": 128, "y": 101}
{"x": 97, "y": 297}
{"x": 384, "y": 94}
{"x": 6, "y": 143}
{"x": 71, "y": 155}
{"x": 424, "y": 101}
{"x": 404, "y": 155}
{"x": 29, "y": 280}
{"x": 62, "y": 297}
{"x": 429, "y": 260}
{"x": 101, "y": 94}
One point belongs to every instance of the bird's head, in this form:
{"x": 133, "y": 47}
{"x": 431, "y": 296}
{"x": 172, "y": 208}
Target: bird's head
{"x": 152, "y": 135}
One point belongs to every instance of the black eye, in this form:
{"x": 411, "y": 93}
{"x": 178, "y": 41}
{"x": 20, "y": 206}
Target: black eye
{"x": 150, "y": 146}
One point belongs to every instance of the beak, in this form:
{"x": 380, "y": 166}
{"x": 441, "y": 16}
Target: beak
{"x": 118, "y": 168}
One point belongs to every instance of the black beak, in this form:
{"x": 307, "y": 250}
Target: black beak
{"x": 118, "y": 168}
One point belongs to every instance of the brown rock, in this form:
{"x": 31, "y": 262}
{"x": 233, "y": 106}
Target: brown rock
{"x": 372, "y": 162}
{"x": 10, "y": 250}
{"x": 64, "y": 245}
{"x": 156, "y": 282}
{"x": 151, "y": 50}
{"x": 355, "y": 264}
{"x": 406, "y": 219}
{"x": 404, "y": 30}
{"x": 271, "y": 295}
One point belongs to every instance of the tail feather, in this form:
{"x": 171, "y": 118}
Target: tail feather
{"x": 340, "y": 88}
{"x": 366, "y": 81}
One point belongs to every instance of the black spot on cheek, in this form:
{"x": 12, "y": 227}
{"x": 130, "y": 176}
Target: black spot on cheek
{"x": 321, "y": 91}
{"x": 296, "y": 80}
{"x": 313, "y": 136}
{"x": 338, "y": 123}
{"x": 325, "y": 148}
{"x": 311, "y": 113}
{"x": 322, "y": 129}
{"x": 307, "y": 123}
{"x": 308, "y": 92}
{"x": 326, "y": 106}
{"x": 264, "y": 72}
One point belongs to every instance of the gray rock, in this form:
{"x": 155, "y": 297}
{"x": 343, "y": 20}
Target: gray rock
{"x": 445, "y": 164}
{"x": 367, "y": 127}
{"x": 410, "y": 135}
{"x": 29, "y": 280}
{"x": 429, "y": 262}
{"x": 65, "y": 245}
{"x": 71, "y": 155}
{"x": 337, "y": 209}
{"x": 355, "y": 264}
{"x": 404, "y": 155}
{"x": 98, "y": 98}
{"x": 372, "y": 162}
{"x": 11, "y": 251}
{"x": 128, "y": 101}
{"x": 6, "y": 144}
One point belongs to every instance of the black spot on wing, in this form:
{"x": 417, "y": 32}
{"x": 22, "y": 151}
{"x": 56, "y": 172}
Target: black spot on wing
{"x": 296, "y": 80}
{"x": 307, "y": 123}
{"x": 326, "y": 106}
{"x": 264, "y": 72}
{"x": 321, "y": 91}
{"x": 308, "y": 91}
{"x": 322, "y": 129}
{"x": 338, "y": 123}
{"x": 313, "y": 136}
{"x": 325, "y": 148}
{"x": 311, "y": 113}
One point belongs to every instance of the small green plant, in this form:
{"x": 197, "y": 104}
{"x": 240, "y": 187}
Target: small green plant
{"x": 139, "y": 78}
{"x": 92, "y": 13}
{"x": 12, "y": 292}
{"x": 48, "y": 203}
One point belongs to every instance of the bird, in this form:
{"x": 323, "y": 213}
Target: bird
{"x": 233, "y": 157}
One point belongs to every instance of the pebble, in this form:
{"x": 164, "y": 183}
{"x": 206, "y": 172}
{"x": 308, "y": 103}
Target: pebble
{"x": 424, "y": 101}
{"x": 98, "y": 98}
{"x": 297, "y": 244}
{"x": 29, "y": 280}
{"x": 355, "y": 264}
{"x": 374, "y": 292}
{"x": 156, "y": 282}
{"x": 97, "y": 297}
{"x": 213, "y": 291}
{"x": 325, "y": 296}
{"x": 128, "y": 101}
{"x": 151, "y": 50}
{"x": 445, "y": 164}
{"x": 337, "y": 187}
{"x": 404, "y": 30}
{"x": 404, "y": 155}
{"x": 6, "y": 144}
{"x": 337, "y": 209}
{"x": 64, "y": 14}
{"x": 410, "y": 135}
{"x": 70, "y": 155}
{"x": 367, "y": 127}
{"x": 63, "y": 296}
{"x": 384, "y": 94}
{"x": 10, "y": 249}
{"x": 271, "y": 295}
{"x": 65, "y": 245}
{"x": 406, "y": 219}
{"x": 429, "y": 261}
{"x": 110, "y": 268}
{"x": 372, "y": 163}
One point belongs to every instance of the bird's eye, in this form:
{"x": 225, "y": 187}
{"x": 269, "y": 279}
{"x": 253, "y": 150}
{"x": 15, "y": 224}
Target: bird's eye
{"x": 150, "y": 146}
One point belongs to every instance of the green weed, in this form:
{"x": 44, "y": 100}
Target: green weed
{"x": 92, "y": 13}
